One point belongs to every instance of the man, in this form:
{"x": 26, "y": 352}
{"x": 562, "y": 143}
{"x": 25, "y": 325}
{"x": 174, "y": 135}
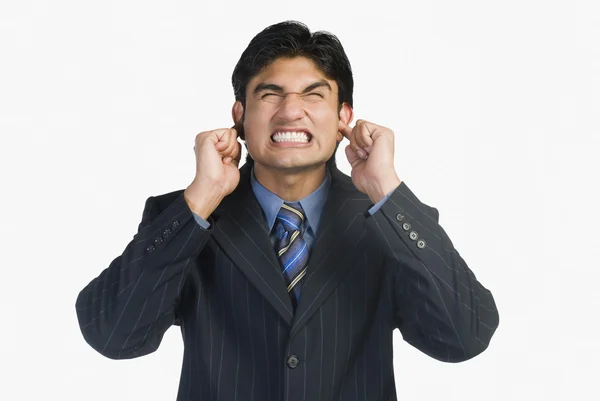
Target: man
{"x": 286, "y": 276}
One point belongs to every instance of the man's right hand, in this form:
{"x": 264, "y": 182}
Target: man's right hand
{"x": 218, "y": 154}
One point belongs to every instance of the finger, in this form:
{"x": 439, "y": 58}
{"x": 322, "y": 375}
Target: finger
{"x": 363, "y": 135}
{"x": 345, "y": 130}
{"x": 235, "y": 155}
{"x": 354, "y": 141}
{"x": 235, "y": 150}
{"x": 230, "y": 160}
{"x": 349, "y": 133}
{"x": 352, "y": 156}
{"x": 365, "y": 139}
{"x": 231, "y": 143}
{"x": 222, "y": 134}
{"x": 221, "y": 138}
{"x": 239, "y": 129}
{"x": 236, "y": 129}
{"x": 224, "y": 146}
{"x": 238, "y": 154}
{"x": 369, "y": 125}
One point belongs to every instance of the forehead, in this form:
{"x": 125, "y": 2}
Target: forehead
{"x": 291, "y": 74}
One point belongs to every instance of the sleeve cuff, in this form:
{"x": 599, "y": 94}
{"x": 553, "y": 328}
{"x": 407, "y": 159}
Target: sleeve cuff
{"x": 203, "y": 223}
{"x": 378, "y": 205}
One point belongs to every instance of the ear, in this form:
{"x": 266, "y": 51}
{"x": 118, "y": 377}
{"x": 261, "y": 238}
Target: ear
{"x": 237, "y": 112}
{"x": 346, "y": 115}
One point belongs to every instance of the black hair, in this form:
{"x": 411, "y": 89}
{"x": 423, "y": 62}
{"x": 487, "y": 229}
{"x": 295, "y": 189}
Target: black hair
{"x": 292, "y": 39}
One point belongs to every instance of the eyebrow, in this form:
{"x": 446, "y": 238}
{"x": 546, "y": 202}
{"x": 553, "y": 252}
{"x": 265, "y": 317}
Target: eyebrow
{"x": 276, "y": 88}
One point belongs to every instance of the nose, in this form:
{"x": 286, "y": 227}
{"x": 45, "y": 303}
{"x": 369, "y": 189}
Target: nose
{"x": 291, "y": 107}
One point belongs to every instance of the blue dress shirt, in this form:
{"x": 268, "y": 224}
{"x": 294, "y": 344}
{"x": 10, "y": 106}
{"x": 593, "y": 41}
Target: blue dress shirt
{"x": 312, "y": 205}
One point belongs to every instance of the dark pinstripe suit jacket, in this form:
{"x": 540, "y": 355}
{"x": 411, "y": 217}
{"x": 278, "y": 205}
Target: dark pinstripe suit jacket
{"x": 367, "y": 276}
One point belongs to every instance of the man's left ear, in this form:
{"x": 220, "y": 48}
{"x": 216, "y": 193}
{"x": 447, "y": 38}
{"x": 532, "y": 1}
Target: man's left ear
{"x": 346, "y": 116}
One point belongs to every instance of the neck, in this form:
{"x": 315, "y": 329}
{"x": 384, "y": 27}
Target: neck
{"x": 290, "y": 185}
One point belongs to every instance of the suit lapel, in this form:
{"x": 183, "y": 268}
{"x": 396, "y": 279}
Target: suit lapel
{"x": 241, "y": 230}
{"x": 338, "y": 242}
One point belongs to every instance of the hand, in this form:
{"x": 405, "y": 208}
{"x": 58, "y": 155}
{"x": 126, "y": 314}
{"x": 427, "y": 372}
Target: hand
{"x": 218, "y": 155}
{"x": 371, "y": 155}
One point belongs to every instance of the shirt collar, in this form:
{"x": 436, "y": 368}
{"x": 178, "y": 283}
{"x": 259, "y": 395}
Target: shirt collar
{"x": 311, "y": 204}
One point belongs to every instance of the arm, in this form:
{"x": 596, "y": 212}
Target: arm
{"x": 439, "y": 306}
{"x": 125, "y": 311}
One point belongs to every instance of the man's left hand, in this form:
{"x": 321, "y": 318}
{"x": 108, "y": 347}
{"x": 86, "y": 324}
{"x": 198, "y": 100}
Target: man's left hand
{"x": 371, "y": 155}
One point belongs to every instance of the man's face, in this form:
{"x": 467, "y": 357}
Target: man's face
{"x": 289, "y": 96}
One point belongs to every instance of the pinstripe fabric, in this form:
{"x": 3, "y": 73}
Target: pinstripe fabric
{"x": 223, "y": 287}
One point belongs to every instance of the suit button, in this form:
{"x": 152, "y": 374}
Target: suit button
{"x": 399, "y": 217}
{"x": 292, "y": 361}
{"x": 406, "y": 226}
{"x": 166, "y": 232}
{"x": 150, "y": 248}
{"x": 159, "y": 240}
{"x": 421, "y": 244}
{"x": 413, "y": 235}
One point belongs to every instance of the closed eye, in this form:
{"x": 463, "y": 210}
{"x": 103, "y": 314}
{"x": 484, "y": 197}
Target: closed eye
{"x": 308, "y": 94}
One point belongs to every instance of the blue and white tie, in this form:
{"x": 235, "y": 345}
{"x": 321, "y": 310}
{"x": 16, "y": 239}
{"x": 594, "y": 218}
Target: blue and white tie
{"x": 291, "y": 247}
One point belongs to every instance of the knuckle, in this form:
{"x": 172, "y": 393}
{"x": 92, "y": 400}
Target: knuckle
{"x": 203, "y": 135}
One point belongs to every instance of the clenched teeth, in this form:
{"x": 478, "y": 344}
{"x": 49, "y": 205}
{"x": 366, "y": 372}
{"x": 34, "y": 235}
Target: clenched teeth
{"x": 291, "y": 137}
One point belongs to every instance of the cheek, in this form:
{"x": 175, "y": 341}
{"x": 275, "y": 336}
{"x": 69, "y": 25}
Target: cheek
{"x": 327, "y": 122}
{"x": 325, "y": 113}
{"x": 255, "y": 122}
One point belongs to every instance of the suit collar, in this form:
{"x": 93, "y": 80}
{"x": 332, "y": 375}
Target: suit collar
{"x": 311, "y": 204}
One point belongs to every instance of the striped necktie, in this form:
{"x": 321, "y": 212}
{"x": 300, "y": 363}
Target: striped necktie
{"x": 291, "y": 248}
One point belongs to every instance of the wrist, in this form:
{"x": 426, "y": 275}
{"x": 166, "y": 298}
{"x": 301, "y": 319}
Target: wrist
{"x": 380, "y": 190}
{"x": 201, "y": 202}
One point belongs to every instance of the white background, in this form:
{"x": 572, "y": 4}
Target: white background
{"x": 496, "y": 108}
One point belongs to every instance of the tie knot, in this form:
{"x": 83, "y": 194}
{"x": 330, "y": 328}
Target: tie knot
{"x": 291, "y": 215}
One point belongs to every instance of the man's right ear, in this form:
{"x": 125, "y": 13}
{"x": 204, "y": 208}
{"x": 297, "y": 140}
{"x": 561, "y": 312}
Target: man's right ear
{"x": 237, "y": 112}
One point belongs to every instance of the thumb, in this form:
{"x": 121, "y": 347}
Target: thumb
{"x": 352, "y": 156}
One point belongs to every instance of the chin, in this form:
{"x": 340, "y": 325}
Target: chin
{"x": 289, "y": 164}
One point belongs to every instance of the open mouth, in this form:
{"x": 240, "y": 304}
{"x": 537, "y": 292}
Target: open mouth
{"x": 299, "y": 137}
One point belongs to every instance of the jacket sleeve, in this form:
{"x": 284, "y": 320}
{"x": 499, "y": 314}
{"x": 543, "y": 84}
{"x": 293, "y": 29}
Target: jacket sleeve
{"x": 125, "y": 311}
{"x": 439, "y": 306}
